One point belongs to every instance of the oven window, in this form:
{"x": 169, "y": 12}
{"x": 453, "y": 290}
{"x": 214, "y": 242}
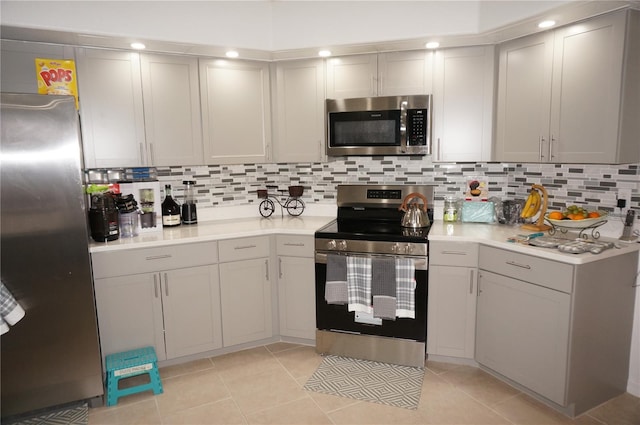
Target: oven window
{"x": 370, "y": 128}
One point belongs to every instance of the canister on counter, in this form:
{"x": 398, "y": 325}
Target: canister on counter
{"x": 450, "y": 212}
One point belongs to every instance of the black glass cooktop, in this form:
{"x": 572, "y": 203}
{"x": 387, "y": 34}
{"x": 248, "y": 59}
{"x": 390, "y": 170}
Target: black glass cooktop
{"x": 372, "y": 231}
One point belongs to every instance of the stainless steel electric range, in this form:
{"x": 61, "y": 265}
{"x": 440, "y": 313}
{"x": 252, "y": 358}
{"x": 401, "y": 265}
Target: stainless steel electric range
{"x": 368, "y": 226}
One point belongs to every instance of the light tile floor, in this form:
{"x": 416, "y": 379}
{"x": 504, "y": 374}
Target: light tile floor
{"x": 264, "y": 386}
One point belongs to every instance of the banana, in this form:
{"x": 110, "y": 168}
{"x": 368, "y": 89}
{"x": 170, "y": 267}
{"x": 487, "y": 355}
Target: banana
{"x": 537, "y": 203}
{"x": 532, "y": 206}
{"x": 527, "y": 206}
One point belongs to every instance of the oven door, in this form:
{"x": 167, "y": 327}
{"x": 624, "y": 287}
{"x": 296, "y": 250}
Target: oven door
{"x": 333, "y": 317}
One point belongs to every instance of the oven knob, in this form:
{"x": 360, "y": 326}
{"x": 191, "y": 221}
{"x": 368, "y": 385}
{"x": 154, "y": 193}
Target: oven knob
{"x": 342, "y": 245}
{"x": 408, "y": 249}
{"x": 395, "y": 248}
{"x": 331, "y": 245}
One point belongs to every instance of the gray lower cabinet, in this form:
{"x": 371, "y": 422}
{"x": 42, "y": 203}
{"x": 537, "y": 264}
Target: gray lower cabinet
{"x": 296, "y": 286}
{"x": 167, "y": 297}
{"x": 245, "y": 290}
{"x": 561, "y": 331}
{"x": 523, "y": 333}
{"x": 451, "y": 321}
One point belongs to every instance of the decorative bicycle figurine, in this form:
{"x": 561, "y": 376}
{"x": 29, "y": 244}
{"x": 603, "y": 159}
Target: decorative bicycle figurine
{"x": 292, "y": 204}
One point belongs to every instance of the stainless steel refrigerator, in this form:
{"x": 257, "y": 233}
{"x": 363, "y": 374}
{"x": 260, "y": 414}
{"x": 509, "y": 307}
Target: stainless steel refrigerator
{"x": 51, "y": 357}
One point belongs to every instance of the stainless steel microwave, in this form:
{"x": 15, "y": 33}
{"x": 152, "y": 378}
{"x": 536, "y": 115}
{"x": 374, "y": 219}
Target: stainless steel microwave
{"x": 384, "y": 125}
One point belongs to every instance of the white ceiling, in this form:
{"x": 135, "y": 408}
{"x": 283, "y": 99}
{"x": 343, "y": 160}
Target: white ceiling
{"x": 270, "y": 29}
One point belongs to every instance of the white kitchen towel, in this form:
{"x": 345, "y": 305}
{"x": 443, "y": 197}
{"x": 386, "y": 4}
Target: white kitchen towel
{"x": 406, "y": 288}
{"x": 335, "y": 291}
{"x": 10, "y": 311}
{"x": 359, "y": 284}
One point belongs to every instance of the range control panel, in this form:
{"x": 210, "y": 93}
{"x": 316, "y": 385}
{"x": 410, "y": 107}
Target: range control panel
{"x": 384, "y": 194}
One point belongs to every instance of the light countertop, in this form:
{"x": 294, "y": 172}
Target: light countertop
{"x": 216, "y": 230}
{"x": 496, "y": 235}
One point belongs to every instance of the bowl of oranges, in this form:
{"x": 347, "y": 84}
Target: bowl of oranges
{"x": 576, "y": 217}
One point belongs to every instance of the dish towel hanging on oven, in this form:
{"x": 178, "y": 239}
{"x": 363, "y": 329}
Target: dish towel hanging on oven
{"x": 406, "y": 288}
{"x": 10, "y": 311}
{"x": 383, "y": 287}
{"x": 335, "y": 291}
{"x": 359, "y": 284}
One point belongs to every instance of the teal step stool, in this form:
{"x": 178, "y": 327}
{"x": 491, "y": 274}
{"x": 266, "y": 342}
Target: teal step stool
{"x": 128, "y": 364}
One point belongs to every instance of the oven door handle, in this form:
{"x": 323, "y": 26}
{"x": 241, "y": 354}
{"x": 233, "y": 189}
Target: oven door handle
{"x": 421, "y": 263}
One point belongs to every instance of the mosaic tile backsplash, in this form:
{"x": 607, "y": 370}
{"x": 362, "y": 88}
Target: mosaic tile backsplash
{"x": 595, "y": 186}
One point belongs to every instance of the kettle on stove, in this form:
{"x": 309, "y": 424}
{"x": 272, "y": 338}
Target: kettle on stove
{"x": 415, "y": 216}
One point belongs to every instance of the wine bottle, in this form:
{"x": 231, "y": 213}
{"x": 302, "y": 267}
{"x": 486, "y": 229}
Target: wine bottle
{"x": 170, "y": 209}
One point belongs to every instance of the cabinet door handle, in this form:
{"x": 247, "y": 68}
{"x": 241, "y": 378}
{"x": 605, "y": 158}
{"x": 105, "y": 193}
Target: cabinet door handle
{"x": 266, "y": 265}
{"x": 524, "y": 266}
{"x": 471, "y": 281}
{"x": 158, "y": 257}
{"x": 166, "y": 285}
{"x": 155, "y": 284}
{"x": 294, "y": 244}
{"x": 540, "y": 143}
{"x": 454, "y": 252}
{"x": 151, "y": 153}
{"x": 551, "y": 143}
{"x": 245, "y": 247}
{"x": 438, "y": 149}
{"x": 280, "y": 267}
{"x": 141, "y": 147}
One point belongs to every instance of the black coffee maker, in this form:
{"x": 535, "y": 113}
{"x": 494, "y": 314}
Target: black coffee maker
{"x": 103, "y": 217}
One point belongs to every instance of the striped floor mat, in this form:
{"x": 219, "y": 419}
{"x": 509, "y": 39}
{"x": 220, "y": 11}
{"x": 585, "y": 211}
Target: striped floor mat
{"x": 77, "y": 415}
{"x": 376, "y": 382}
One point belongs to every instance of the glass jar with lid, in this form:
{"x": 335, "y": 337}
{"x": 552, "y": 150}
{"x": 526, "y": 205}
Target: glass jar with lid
{"x": 450, "y": 212}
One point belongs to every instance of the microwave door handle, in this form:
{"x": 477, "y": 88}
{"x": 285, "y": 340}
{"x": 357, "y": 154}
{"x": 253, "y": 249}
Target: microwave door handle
{"x": 403, "y": 125}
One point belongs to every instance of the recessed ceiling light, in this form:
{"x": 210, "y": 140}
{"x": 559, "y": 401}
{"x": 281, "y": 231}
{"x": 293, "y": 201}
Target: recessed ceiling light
{"x": 432, "y": 45}
{"x": 232, "y": 54}
{"x": 138, "y": 46}
{"x": 324, "y": 53}
{"x": 546, "y": 24}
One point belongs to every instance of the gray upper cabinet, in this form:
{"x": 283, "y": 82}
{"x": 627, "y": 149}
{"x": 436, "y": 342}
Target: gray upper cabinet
{"x": 524, "y": 98}
{"x": 463, "y": 96}
{"x": 405, "y": 73}
{"x": 384, "y": 74}
{"x": 139, "y": 109}
{"x": 236, "y": 118}
{"x": 110, "y": 90}
{"x": 298, "y": 111}
{"x": 18, "y": 65}
{"x": 352, "y": 76}
{"x": 571, "y": 95}
{"x": 171, "y": 98}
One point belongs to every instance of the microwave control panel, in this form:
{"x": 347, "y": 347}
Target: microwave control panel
{"x": 417, "y": 126}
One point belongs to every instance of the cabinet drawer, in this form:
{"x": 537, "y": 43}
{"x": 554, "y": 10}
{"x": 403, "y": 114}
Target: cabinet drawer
{"x": 295, "y": 246}
{"x": 243, "y": 249}
{"x": 547, "y": 273}
{"x": 463, "y": 254}
{"x": 133, "y": 261}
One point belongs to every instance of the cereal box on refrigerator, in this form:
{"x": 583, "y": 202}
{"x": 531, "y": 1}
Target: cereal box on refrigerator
{"x": 57, "y": 76}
